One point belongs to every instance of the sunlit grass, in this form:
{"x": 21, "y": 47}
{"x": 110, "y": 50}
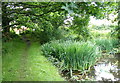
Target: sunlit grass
{"x": 0, "y": 60}
{"x": 0, "y": 68}
{"x": 100, "y": 33}
{"x": 106, "y": 43}
{"x": 11, "y": 60}
{"x": 38, "y": 68}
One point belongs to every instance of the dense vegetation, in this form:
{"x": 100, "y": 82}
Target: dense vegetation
{"x": 46, "y": 20}
{"x": 74, "y": 55}
{"x": 60, "y": 32}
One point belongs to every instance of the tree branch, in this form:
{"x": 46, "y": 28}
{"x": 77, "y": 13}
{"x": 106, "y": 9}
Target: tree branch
{"x": 11, "y": 25}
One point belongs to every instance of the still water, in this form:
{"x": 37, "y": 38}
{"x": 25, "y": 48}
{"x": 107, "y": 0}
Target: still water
{"x": 107, "y": 69}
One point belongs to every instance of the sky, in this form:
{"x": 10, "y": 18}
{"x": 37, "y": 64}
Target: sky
{"x": 94, "y": 21}
{"x": 99, "y": 22}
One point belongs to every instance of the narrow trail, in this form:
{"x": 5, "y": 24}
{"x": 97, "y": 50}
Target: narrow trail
{"x": 24, "y": 59}
{"x": 25, "y": 62}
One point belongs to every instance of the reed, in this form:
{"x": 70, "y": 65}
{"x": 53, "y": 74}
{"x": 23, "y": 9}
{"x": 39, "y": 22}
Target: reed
{"x": 106, "y": 44}
{"x": 73, "y": 54}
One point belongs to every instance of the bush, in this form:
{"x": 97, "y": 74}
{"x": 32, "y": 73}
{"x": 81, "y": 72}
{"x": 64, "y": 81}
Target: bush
{"x": 72, "y": 55}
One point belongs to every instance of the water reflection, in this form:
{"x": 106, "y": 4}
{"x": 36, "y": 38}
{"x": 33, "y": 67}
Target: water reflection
{"x": 107, "y": 69}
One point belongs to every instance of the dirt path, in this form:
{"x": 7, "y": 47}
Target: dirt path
{"x": 23, "y": 64}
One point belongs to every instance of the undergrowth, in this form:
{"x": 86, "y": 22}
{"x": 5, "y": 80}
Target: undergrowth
{"x": 106, "y": 44}
{"x": 72, "y": 54}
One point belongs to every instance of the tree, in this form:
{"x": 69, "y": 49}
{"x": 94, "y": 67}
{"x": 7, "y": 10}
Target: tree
{"x": 118, "y": 29}
{"x": 20, "y": 13}
{"x": 32, "y": 14}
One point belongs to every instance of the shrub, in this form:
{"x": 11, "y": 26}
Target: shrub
{"x": 72, "y": 54}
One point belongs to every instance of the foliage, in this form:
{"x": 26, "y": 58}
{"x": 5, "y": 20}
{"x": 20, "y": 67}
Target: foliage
{"x": 106, "y": 44}
{"x": 118, "y": 29}
{"x": 104, "y": 27}
{"x": 53, "y": 14}
{"x": 47, "y": 34}
{"x": 116, "y": 32}
{"x": 10, "y": 36}
{"x": 100, "y": 33}
{"x": 79, "y": 26}
{"x": 103, "y": 31}
{"x": 72, "y": 54}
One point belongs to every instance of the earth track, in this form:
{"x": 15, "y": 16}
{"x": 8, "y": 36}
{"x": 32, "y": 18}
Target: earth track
{"x": 23, "y": 65}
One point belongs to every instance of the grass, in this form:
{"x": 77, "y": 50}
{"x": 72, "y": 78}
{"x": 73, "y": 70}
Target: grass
{"x": 11, "y": 60}
{"x": 72, "y": 55}
{"x": 0, "y": 60}
{"x": 40, "y": 69}
{"x": 106, "y": 44}
{"x": 100, "y": 33}
{"x": 36, "y": 68}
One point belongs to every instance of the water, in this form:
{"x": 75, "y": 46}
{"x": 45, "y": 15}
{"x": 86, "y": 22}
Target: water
{"x": 107, "y": 69}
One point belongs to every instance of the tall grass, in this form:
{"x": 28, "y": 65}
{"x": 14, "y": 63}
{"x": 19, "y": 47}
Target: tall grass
{"x": 73, "y": 55}
{"x": 106, "y": 44}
